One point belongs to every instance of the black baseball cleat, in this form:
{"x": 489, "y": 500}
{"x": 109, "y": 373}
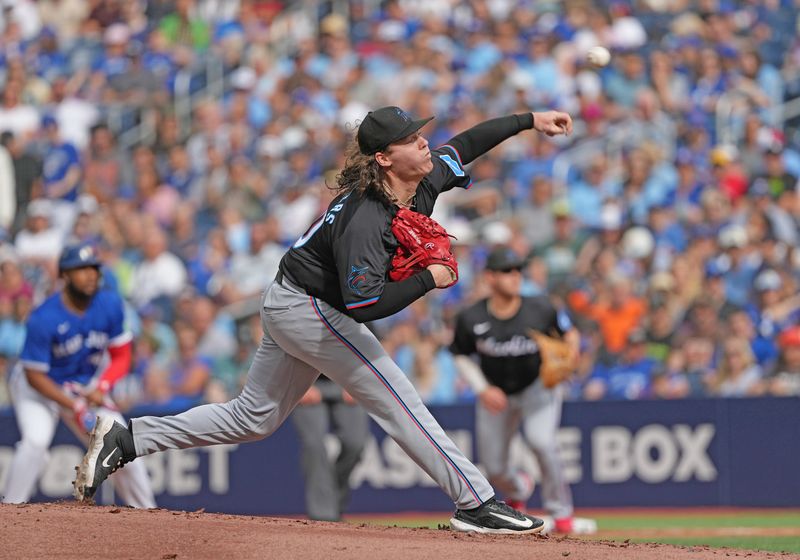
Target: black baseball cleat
{"x": 497, "y": 518}
{"x": 110, "y": 447}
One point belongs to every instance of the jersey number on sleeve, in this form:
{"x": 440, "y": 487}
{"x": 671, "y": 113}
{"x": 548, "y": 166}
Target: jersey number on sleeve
{"x": 303, "y": 239}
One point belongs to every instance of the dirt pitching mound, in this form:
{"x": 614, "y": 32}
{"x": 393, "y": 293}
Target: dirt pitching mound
{"x": 72, "y": 530}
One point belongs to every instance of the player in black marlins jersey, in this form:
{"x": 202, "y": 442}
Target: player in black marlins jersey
{"x": 334, "y": 279}
{"x": 510, "y": 393}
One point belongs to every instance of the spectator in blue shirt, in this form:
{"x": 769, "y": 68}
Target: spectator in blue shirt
{"x": 733, "y": 239}
{"x": 181, "y": 382}
{"x": 61, "y": 175}
{"x": 763, "y": 83}
{"x": 772, "y": 310}
{"x": 586, "y": 196}
{"x": 61, "y": 167}
{"x": 625, "y": 81}
{"x": 114, "y": 60}
{"x": 764, "y": 349}
{"x": 50, "y": 62}
{"x": 686, "y": 198}
{"x": 698, "y": 370}
{"x": 630, "y": 378}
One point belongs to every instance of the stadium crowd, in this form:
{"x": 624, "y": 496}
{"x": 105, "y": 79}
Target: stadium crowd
{"x": 192, "y": 141}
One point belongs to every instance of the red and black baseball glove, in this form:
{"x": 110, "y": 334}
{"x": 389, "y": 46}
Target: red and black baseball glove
{"x": 423, "y": 242}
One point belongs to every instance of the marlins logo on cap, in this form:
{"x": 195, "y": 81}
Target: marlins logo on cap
{"x": 385, "y": 126}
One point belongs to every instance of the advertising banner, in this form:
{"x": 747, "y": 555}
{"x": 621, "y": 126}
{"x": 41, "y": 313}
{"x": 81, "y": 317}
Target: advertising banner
{"x": 735, "y": 452}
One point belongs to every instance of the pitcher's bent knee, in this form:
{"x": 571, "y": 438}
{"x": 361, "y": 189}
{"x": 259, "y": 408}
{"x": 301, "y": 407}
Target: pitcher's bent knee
{"x": 256, "y": 424}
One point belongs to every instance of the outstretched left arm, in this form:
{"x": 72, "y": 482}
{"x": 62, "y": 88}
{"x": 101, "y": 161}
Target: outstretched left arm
{"x": 482, "y": 137}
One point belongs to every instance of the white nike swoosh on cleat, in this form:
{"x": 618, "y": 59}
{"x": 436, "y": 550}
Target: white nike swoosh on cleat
{"x": 105, "y": 461}
{"x": 527, "y": 524}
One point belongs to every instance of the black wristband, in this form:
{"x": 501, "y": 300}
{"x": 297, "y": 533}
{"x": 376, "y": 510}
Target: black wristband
{"x": 525, "y": 120}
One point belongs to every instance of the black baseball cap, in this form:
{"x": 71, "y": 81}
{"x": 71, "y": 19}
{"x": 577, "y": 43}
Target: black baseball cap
{"x": 504, "y": 258}
{"x": 385, "y": 126}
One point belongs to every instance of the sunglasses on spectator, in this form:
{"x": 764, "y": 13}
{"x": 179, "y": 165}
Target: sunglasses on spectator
{"x": 509, "y": 270}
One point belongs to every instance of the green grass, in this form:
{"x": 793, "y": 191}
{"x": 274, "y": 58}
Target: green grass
{"x": 620, "y": 521}
{"x": 713, "y": 520}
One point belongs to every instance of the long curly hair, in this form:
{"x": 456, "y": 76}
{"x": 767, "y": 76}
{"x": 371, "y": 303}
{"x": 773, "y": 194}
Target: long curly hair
{"x": 362, "y": 174}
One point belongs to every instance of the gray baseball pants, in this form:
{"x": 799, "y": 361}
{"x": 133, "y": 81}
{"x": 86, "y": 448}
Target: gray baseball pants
{"x": 328, "y": 481}
{"x": 303, "y": 336}
{"x": 538, "y": 411}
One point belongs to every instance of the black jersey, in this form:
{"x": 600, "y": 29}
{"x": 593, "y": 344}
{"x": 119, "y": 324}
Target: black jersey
{"x": 508, "y": 357}
{"x": 344, "y": 257}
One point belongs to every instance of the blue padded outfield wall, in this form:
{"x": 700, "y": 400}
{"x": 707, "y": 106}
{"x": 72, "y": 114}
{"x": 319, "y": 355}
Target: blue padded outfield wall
{"x": 733, "y": 452}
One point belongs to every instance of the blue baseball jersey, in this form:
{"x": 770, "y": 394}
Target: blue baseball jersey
{"x": 57, "y": 162}
{"x": 71, "y": 347}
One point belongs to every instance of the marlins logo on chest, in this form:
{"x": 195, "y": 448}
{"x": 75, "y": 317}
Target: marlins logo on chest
{"x": 517, "y": 346}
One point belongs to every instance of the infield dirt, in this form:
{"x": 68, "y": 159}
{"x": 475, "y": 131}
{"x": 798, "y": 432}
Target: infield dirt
{"x": 72, "y": 530}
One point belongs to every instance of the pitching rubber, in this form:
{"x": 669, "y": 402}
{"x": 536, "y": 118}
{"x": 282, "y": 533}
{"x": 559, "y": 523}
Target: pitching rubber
{"x": 464, "y": 527}
{"x": 85, "y": 475}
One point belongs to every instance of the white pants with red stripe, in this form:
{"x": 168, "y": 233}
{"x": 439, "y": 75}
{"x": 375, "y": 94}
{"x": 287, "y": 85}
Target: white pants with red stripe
{"x": 304, "y": 336}
{"x": 37, "y": 418}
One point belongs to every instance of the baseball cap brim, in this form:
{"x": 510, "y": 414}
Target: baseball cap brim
{"x": 516, "y": 264}
{"x": 412, "y": 127}
{"x": 79, "y": 265}
{"x": 503, "y": 259}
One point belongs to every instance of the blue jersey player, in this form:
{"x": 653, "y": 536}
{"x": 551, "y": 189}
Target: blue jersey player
{"x": 75, "y": 350}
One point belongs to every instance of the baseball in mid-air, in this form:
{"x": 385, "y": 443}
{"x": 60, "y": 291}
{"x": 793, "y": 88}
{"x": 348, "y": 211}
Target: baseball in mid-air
{"x": 598, "y": 56}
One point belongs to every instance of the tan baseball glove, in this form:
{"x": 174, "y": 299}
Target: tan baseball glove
{"x": 557, "y": 363}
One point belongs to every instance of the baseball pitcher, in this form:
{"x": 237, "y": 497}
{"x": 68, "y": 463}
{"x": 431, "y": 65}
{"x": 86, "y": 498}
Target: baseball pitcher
{"x": 336, "y": 277}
